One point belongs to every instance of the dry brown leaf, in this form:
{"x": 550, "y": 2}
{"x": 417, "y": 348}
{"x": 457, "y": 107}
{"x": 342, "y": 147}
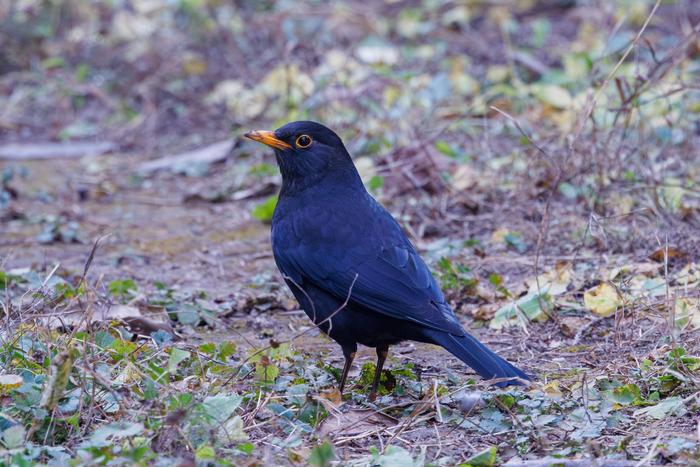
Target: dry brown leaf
{"x": 353, "y": 423}
{"x": 465, "y": 177}
{"x": 131, "y": 316}
{"x": 646, "y": 268}
{"x": 332, "y": 396}
{"x": 690, "y": 274}
{"x": 416, "y": 167}
{"x": 662, "y": 253}
{"x": 570, "y": 325}
{"x": 486, "y": 294}
{"x": 485, "y": 312}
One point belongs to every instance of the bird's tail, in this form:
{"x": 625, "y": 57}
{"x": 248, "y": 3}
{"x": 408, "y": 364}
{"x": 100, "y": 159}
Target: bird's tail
{"x": 475, "y": 354}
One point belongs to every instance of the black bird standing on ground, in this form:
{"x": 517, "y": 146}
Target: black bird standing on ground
{"x": 349, "y": 263}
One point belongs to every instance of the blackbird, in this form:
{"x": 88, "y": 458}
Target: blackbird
{"x": 350, "y": 265}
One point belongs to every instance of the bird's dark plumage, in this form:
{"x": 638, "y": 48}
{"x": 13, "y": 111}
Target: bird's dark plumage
{"x": 349, "y": 263}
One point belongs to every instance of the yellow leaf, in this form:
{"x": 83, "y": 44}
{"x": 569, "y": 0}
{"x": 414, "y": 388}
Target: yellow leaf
{"x": 554, "y": 282}
{"x": 552, "y": 389}
{"x": 391, "y": 95}
{"x": 687, "y": 312}
{"x": 497, "y": 73}
{"x": 194, "y": 65}
{"x": 602, "y": 300}
{"x": 241, "y": 101}
{"x": 131, "y": 374}
{"x": 9, "y": 382}
{"x": 498, "y": 236}
{"x": 462, "y": 82}
{"x": 553, "y": 95}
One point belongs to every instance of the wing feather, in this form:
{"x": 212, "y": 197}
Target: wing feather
{"x": 396, "y": 283}
{"x": 364, "y": 253}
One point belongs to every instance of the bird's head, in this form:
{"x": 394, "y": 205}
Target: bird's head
{"x": 308, "y": 152}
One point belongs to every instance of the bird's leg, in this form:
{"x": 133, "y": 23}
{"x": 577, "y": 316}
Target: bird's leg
{"x": 349, "y": 357}
{"x": 382, "y": 352}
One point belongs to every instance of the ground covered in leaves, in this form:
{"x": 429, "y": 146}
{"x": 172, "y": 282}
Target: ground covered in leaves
{"x": 543, "y": 156}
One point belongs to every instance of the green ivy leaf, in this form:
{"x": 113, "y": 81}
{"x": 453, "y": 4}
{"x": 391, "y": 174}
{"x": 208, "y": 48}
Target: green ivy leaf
{"x": 122, "y": 288}
{"x": 13, "y": 437}
{"x": 625, "y": 395}
{"x": 665, "y": 408}
{"x": 107, "y": 435}
{"x": 246, "y": 448}
{"x": 485, "y": 458}
{"x": 176, "y": 357}
{"x": 264, "y": 211}
{"x": 531, "y": 307}
{"x": 266, "y": 372}
{"x": 375, "y": 183}
{"x": 322, "y": 455}
{"x": 221, "y": 406}
{"x": 205, "y": 452}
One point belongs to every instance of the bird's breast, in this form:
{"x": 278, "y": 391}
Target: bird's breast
{"x": 337, "y": 227}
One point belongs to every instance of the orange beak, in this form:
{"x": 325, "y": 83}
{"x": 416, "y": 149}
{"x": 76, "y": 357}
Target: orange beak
{"x": 268, "y": 138}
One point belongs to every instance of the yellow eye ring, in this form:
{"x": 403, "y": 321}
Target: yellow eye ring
{"x": 304, "y": 141}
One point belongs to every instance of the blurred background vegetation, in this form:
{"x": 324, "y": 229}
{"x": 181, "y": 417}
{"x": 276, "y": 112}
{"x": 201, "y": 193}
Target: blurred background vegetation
{"x": 152, "y": 71}
{"x": 394, "y": 78}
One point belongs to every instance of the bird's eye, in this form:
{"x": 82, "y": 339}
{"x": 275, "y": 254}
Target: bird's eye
{"x": 304, "y": 141}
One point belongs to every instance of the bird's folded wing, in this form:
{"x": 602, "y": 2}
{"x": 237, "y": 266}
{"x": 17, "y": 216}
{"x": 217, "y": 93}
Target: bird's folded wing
{"x": 395, "y": 282}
